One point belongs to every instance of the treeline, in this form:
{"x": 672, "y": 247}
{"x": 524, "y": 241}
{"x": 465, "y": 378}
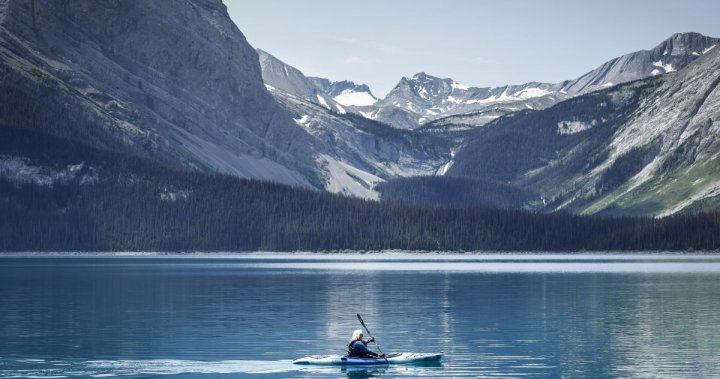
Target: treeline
{"x": 454, "y": 190}
{"x": 137, "y": 204}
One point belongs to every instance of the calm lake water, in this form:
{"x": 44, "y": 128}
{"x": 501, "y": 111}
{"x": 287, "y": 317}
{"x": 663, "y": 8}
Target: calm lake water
{"x": 639, "y": 316}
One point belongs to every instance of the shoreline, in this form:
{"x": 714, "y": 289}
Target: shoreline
{"x": 361, "y": 254}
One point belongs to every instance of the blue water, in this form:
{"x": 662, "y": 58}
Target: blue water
{"x": 493, "y": 315}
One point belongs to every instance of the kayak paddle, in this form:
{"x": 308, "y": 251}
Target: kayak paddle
{"x": 370, "y": 334}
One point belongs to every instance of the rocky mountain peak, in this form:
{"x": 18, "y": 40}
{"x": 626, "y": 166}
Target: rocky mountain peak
{"x": 685, "y": 43}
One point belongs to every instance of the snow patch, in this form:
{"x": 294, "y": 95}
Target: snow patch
{"x": 303, "y": 121}
{"x": 708, "y": 49}
{"x": 529, "y": 93}
{"x": 351, "y": 98}
{"x": 371, "y": 115}
{"x": 655, "y": 72}
{"x": 18, "y": 170}
{"x": 174, "y": 195}
{"x": 524, "y": 94}
{"x": 459, "y": 86}
{"x": 340, "y": 109}
{"x": 609, "y": 84}
{"x": 667, "y": 67}
{"x": 572, "y": 127}
{"x": 323, "y": 102}
{"x": 269, "y": 87}
{"x": 423, "y": 93}
{"x": 455, "y": 100}
{"x": 444, "y": 169}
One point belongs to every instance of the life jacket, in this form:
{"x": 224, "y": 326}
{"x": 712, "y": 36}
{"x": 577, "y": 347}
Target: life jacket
{"x": 353, "y": 352}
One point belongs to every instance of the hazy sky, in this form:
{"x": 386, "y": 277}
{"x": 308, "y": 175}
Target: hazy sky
{"x": 476, "y": 42}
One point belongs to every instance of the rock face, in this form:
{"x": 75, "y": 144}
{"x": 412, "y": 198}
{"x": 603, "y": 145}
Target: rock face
{"x": 347, "y": 93}
{"x": 278, "y": 74}
{"x": 174, "y": 80}
{"x": 357, "y": 153}
{"x": 425, "y": 100}
{"x": 650, "y": 147}
{"x": 671, "y": 55}
{"x": 339, "y": 97}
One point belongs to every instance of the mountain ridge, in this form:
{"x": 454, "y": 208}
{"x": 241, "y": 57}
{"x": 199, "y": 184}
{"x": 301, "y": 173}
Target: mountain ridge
{"x": 408, "y": 106}
{"x": 167, "y": 97}
{"x": 647, "y": 147}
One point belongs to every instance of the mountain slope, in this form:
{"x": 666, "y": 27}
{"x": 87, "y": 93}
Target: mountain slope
{"x": 439, "y": 103}
{"x": 191, "y": 95}
{"x": 354, "y": 153}
{"x": 278, "y": 74}
{"x": 359, "y": 153}
{"x": 647, "y": 147}
{"x": 424, "y": 98}
{"x": 339, "y": 97}
{"x": 670, "y": 55}
{"x": 57, "y": 194}
{"x": 346, "y": 92}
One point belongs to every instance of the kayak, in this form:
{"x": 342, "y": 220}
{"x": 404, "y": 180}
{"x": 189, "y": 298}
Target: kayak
{"x": 394, "y": 358}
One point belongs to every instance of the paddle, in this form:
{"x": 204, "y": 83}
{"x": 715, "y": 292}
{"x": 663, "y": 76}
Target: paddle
{"x": 371, "y": 336}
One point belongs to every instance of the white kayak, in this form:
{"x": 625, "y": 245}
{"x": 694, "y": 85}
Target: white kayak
{"x": 393, "y": 358}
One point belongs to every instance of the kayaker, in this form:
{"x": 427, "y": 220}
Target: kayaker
{"x": 358, "y": 348}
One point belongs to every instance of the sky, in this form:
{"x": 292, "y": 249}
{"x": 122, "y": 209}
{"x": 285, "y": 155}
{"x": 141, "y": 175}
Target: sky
{"x": 478, "y": 43}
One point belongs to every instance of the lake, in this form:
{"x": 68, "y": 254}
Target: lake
{"x": 494, "y": 315}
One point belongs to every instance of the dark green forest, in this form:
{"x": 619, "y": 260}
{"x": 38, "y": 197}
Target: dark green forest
{"x": 115, "y": 201}
{"x": 454, "y": 190}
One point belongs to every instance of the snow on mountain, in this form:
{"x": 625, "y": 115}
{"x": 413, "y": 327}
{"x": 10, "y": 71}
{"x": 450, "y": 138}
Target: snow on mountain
{"x": 358, "y": 153}
{"x": 279, "y": 74}
{"x": 428, "y": 105}
{"x": 670, "y": 55}
{"x": 351, "y": 98}
{"x": 346, "y": 92}
{"x": 649, "y": 147}
{"x": 423, "y": 99}
{"x": 338, "y": 97}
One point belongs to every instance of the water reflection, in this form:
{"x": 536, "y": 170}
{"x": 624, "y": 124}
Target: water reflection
{"x": 211, "y": 317}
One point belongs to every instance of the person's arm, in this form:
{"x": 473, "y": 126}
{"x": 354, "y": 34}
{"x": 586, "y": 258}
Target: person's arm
{"x": 361, "y": 347}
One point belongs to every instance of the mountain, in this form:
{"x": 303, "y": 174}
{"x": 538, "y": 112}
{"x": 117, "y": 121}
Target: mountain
{"x": 278, "y": 74}
{"x": 358, "y": 153}
{"x": 423, "y": 98}
{"x": 346, "y": 92}
{"x": 354, "y": 153}
{"x": 334, "y": 96}
{"x": 175, "y": 81}
{"x": 426, "y": 105}
{"x": 648, "y": 147}
{"x": 64, "y": 195}
{"x": 431, "y": 102}
{"x": 670, "y": 55}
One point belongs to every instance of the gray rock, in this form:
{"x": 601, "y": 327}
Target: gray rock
{"x": 173, "y": 80}
{"x": 425, "y": 99}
